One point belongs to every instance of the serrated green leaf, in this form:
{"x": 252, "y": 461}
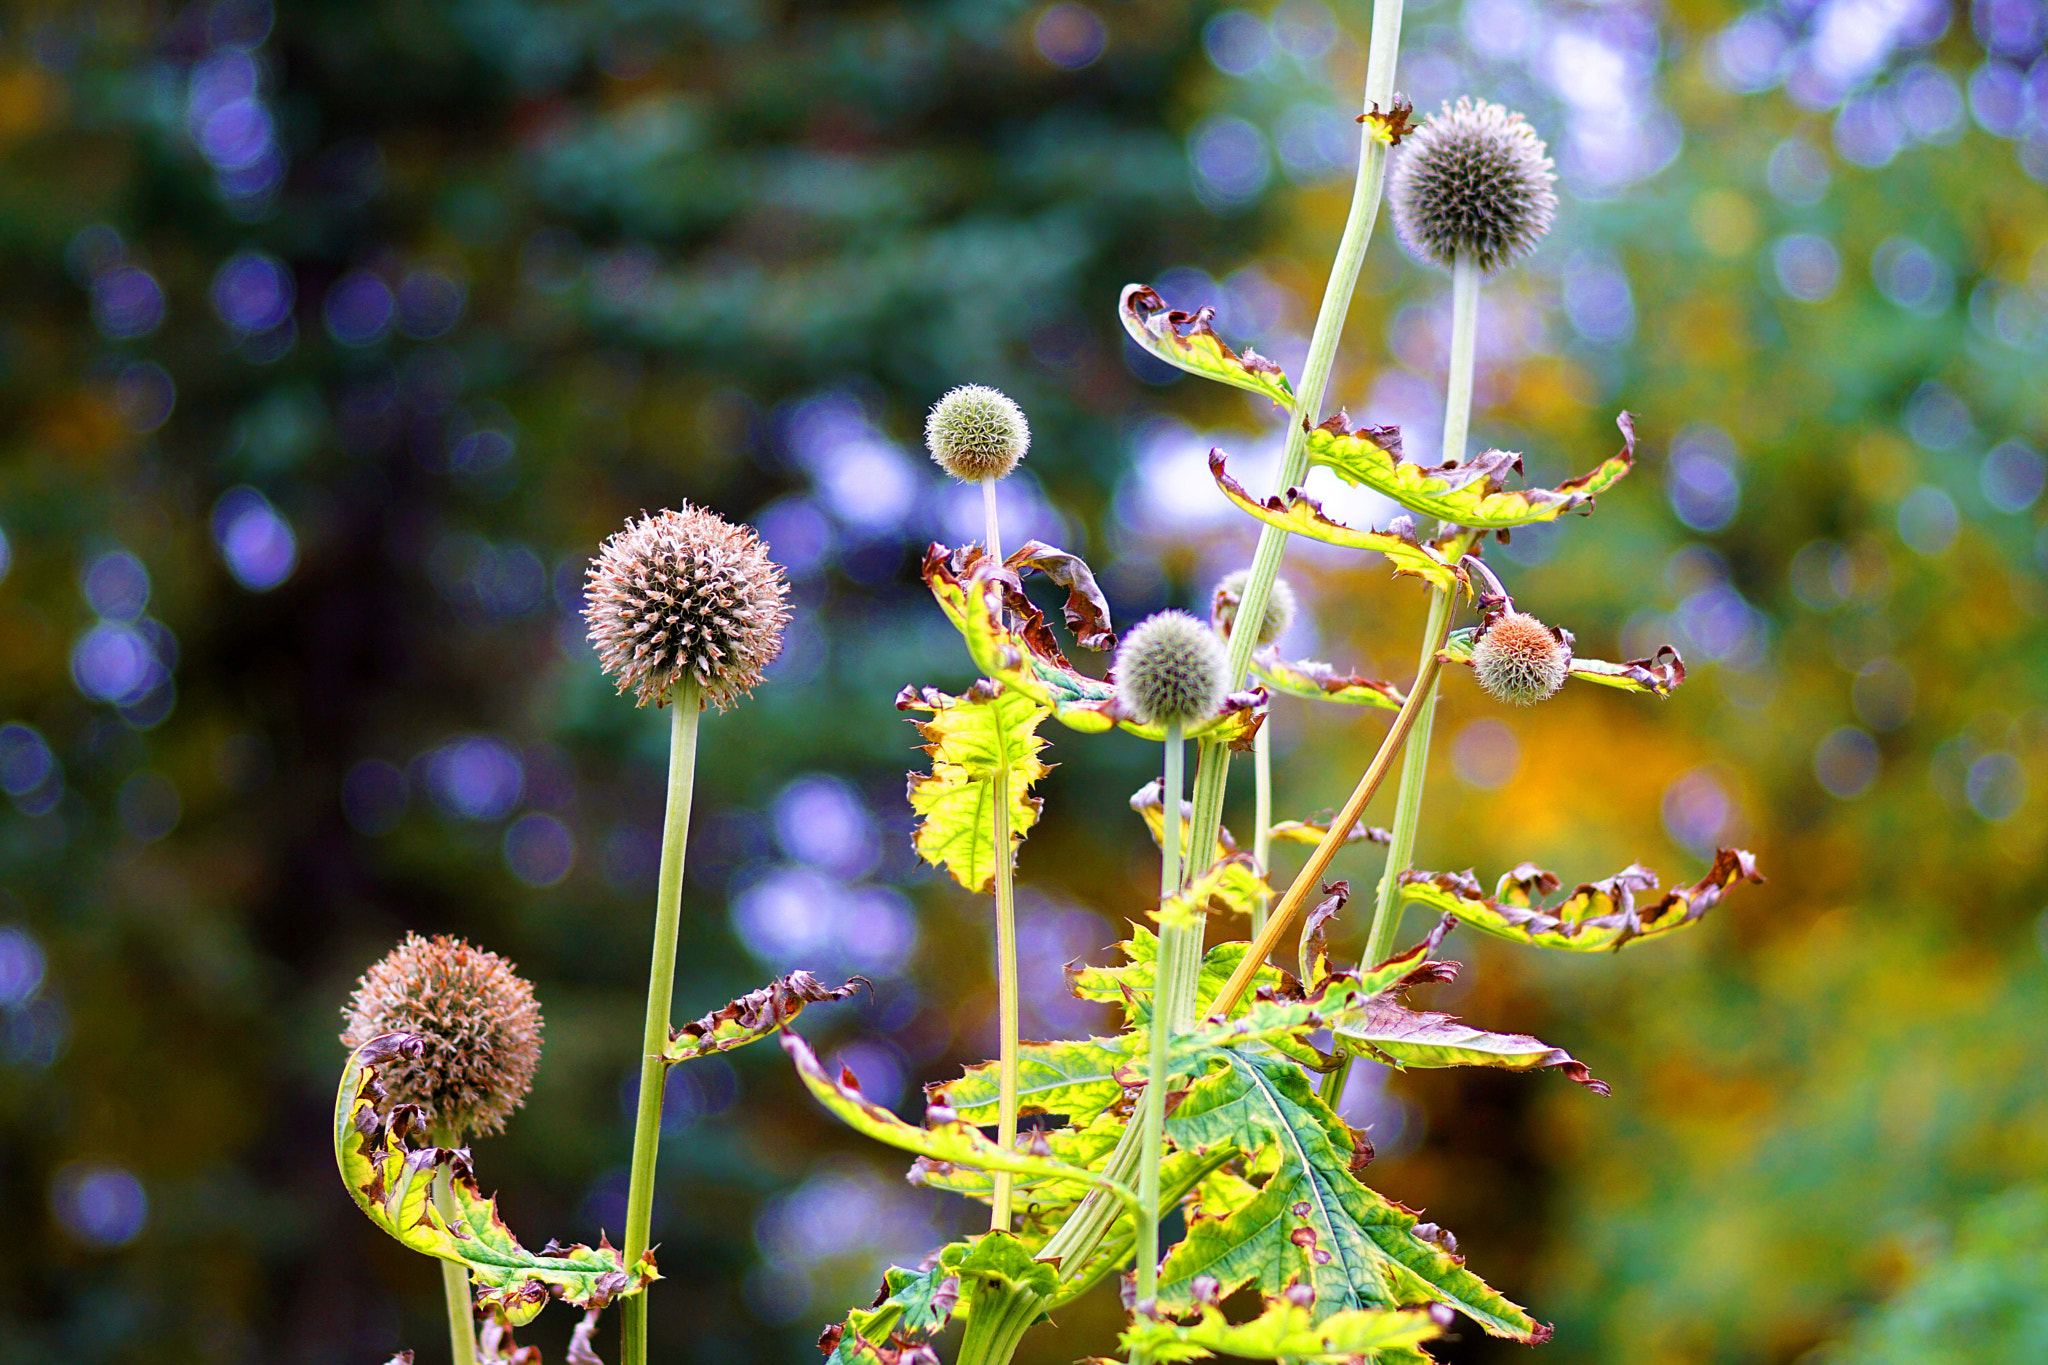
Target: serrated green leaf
{"x": 1008, "y": 639}
{"x": 944, "y": 1138}
{"x": 392, "y": 1182}
{"x": 1296, "y": 511}
{"x": 1233, "y": 881}
{"x": 1076, "y": 1078}
{"x": 753, "y": 1016}
{"x": 1657, "y": 675}
{"x": 913, "y": 1304}
{"x": 1129, "y": 983}
{"x": 1320, "y": 682}
{"x": 991, "y": 729}
{"x": 1284, "y": 1331}
{"x": 1188, "y": 342}
{"x": 1597, "y": 916}
{"x": 1312, "y": 1223}
{"x": 1470, "y": 494}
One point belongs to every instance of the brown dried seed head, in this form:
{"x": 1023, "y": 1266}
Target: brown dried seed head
{"x": 685, "y": 594}
{"x": 1520, "y": 660}
{"x": 477, "y": 1018}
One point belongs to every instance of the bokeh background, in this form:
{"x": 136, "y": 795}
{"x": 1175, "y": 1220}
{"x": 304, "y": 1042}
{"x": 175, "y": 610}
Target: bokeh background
{"x": 334, "y": 336}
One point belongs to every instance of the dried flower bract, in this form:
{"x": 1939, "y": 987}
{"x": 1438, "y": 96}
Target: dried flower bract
{"x": 476, "y": 1017}
{"x": 686, "y": 594}
{"x": 1520, "y": 660}
{"x": 1473, "y": 182}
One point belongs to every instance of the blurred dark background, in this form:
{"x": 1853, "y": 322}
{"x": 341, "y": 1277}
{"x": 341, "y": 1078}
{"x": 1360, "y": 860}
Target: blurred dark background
{"x": 334, "y": 336}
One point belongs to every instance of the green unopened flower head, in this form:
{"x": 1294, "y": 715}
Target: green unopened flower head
{"x": 1170, "y": 669}
{"x": 476, "y": 1019}
{"x": 685, "y": 594}
{"x": 976, "y": 432}
{"x": 1520, "y": 660}
{"x": 1281, "y": 606}
{"x": 1473, "y": 182}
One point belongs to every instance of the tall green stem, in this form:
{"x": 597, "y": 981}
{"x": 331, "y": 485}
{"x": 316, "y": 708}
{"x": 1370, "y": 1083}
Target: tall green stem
{"x": 1006, "y": 931}
{"x": 1085, "y": 1227}
{"x": 1262, "y": 814}
{"x": 1154, "y": 1116}
{"x": 455, "y": 1278}
{"x": 1212, "y": 773}
{"x": 1386, "y": 915}
{"x": 684, "y": 712}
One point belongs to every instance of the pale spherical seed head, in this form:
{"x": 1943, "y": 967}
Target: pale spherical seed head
{"x": 1170, "y": 668}
{"x": 476, "y": 1019}
{"x": 685, "y": 594}
{"x": 1519, "y": 660}
{"x": 1473, "y": 182}
{"x": 976, "y": 432}
{"x": 1281, "y": 605}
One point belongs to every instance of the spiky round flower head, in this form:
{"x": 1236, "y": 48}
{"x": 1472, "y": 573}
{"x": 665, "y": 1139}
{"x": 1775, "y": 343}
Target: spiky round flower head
{"x": 685, "y": 594}
{"x": 1520, "y": 660}
{"x": 1473, "y": 182}
{"x": 476, "y": 1018}
{"x": 976, "y": 432}
{"x": 1281, "y": 605}
{"x": 1170, "y": 668}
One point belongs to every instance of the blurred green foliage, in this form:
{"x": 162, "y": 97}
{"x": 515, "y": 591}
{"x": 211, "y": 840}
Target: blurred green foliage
{"x": 335, "y": 338}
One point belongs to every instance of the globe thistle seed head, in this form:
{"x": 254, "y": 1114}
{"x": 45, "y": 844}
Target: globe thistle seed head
{"x": 476, "y": 1018}
{"x": 685, "y": 594}
{"x": 1170, "y": 668}
{"x": 1520, "y": 660}
{"x": 976, "y": 432}
{"x": 1281, "y": 605}
{"x": 1473, "y": 182}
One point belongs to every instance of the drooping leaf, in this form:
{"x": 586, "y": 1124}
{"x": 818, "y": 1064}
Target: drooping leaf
{"x": 1312, "y": 1223}
{"x": 1129, "y": 983}
{"x": 753, "y": 1016}
{"x": 1403, "y": 1037}
{"x": 1413, "y": 967}
{"x": 1657, "y": 675}
{"x": 1284, "y": 1331}
{"x": 1320, "y": 682}
{"x": 944, "y": 1138}
{"x": 991, "y": 729}
{"x": 1317, "y": 828}
{"x": 392, "y": 1182}
{"x": 1296, "y": 511}
{"x": 1596, "y": 916}
{"x": 1233, "y": 881}
{"x": 1188, "y": 342}
{"x": 1086, "y": 610}
{"x": 1473, "y": 493}
{"x": 1009, "y": 640}
{"x": 1075, "y": 1078}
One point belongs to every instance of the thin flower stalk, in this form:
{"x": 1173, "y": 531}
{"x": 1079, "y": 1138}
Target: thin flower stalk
{"x": 1006, "y": 930}
{"x": 455, "y": 1278}
{"x": 1155, "y": 1071}
{"x": 685, "y": 710}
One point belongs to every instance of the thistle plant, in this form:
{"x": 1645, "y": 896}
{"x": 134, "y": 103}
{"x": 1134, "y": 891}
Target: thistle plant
{"x": 1219, "y": 1095}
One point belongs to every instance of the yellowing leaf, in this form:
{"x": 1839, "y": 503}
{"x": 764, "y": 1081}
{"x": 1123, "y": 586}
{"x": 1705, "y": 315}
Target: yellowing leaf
{"x": 753, "y": 1016}
{"x": 1320, "y": 682}
{"x": 972, "y": 738}
{"x": 1188, "y": 342}
{"x": 1471, "y": 494}
{"x": 1296, "y": 511}
{"x": 1233, "y": 881}
{"x": 1284, "y": 1331}
{"x": 392, "y": 1182}
{"x": 1598, "y": 915}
